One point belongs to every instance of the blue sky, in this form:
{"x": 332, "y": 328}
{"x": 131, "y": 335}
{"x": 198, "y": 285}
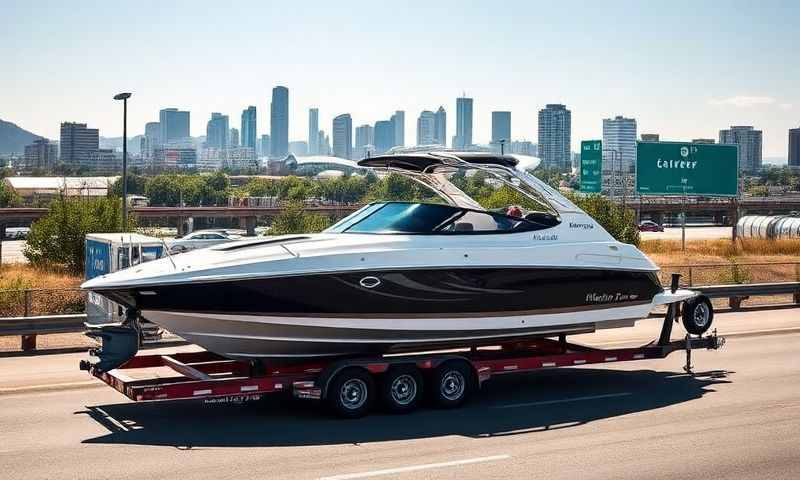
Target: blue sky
{"x": 683, "y": 69}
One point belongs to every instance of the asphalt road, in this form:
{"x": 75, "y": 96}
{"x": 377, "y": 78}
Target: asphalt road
{"x": 738, "y": 418}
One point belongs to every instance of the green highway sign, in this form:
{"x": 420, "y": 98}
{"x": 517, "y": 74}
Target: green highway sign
{"x": 676, "y": 168}
{"x": 591, "y": 163}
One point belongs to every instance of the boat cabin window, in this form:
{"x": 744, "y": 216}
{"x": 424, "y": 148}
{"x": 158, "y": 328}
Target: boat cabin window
{"x": 427, "y": 218}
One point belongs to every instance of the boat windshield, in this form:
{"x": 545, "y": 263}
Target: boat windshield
{"x": 429, "y": 218}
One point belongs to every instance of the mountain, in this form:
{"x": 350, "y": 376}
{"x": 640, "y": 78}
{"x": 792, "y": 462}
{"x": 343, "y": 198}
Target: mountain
{"x": 13, "y": 138}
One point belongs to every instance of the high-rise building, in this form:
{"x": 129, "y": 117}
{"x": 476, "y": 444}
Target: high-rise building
{"x": 706, "y": 141}
{"x": 749, "y": 142}
{"x": 440, "y": 127}
{"x": 463, "y": 136}
{"x": 298, "y": 148}
{"x": 555, "y": 136}
{"x": 279, "y": 122}
{"x": 343, "y": 136}
{"x": 217, "y": 131}
{"x": 234, "y": 138}
{"x": 324, "y": 147}
{"x": 174, "y": 126}
{"x": 501, "y": 127}
{"x": 794, "y": 147}
{"x": 152, "y": 138}
{"x": 650, "y": 137}
{"x": 249, "y": 127}
{"x": 619, "y": 144}
{"x": 426, "y": 128}
{"x": 384, "y": 135}
{"x": 399, "y": 122}
{"x": 41, "y": 155}
{"x": 78, "y": 142}
{"x": 313, "y": 131}
{"x": 265, "y": 145}
{"x": 364, "y": 141}
{"x": 102, "y": 162}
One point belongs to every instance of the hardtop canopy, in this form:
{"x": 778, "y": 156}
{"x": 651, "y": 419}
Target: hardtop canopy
{"x": 423, "y": 161}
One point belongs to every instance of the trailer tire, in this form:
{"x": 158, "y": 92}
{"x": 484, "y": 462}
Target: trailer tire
{"x": 402, "y": 389}
{"x": 351, "y": 393}
{"x": 698, "y": 314}
{"x": 451, "y": 384}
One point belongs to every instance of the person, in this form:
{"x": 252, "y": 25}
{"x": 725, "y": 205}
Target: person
{"x": 514, "y": 211}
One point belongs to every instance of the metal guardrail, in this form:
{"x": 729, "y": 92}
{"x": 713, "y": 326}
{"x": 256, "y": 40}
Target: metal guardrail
{"x": 29, "y": 327}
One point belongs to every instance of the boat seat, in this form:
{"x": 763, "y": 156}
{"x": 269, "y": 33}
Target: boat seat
{"x": 464, "y": 227}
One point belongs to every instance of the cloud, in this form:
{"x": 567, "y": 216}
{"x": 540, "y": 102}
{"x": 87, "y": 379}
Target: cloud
{"x": 744, "y": 101}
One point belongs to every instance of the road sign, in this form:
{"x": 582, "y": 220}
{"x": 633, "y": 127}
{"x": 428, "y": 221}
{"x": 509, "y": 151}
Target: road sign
{"x": 591, "y": 163}
{"x": 676, "y": 168}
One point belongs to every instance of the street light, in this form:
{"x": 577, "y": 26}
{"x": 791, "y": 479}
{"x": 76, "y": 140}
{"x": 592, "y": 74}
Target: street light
{"x": 124, "y": 97}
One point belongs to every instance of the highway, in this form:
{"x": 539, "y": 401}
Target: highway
{"x": 738, "y": 418}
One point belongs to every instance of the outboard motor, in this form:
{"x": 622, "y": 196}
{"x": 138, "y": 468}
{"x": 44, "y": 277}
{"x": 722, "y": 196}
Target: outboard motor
{"x": 120, "y": 342}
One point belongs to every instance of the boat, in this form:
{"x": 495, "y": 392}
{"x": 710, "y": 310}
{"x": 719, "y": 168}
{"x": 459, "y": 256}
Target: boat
{"x": 400, "y": 276}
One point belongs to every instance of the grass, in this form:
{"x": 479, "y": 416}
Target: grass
{"x": 61, "y": 295}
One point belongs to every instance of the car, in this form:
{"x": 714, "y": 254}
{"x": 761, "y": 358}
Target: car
{"x": 650, "y": 226}
{"x": 200, "y": 239}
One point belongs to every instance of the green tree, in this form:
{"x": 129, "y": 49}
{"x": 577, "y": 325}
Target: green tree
{"x": 294, "y": 219}
{"x": 619, "y": 222}
{"x": 8, "y": 197}
{"x": 137, "y": 185}
{"x": 58, "y": 237}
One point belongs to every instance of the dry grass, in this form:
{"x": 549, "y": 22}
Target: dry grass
{"x": 61, "y": 295}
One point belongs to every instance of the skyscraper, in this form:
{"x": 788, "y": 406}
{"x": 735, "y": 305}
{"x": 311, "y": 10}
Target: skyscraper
{"x": 463, "y": 136}
{"x": 555, "y": 137}
{"x": 249, "y": 127}
{"x": 749, "y": 142}
{"x": 426, "y": 128}
{"x": 619, "y": 144}
{"x": 384, "y": 135}
{"x": 343, "y": 136}
{"x": 233, "y": 139}
{"x": 440, "y": 127}
{"x": 217, "y": 131}
{"x": 152, "y": 138}
{"x": 364, "y": 141}
{"x": 41, "y": 154}
{"x": 78, "y": 142}
{"x": 399, "y": 122}
{"x": 501, "y": 127}
{"x": 313, "y": 131}
{"x": 265, "y": 145}
{"x": 794, "y": 147}
{"x": 174, "y": 125}
{"x": 279, "y": 122}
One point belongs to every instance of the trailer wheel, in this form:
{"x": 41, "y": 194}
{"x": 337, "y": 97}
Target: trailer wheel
{"x": 351, "y": 392}
{"x": 451, "y": 384}
{"x": 698, "y": 313}
{"x": 401, "y": 389}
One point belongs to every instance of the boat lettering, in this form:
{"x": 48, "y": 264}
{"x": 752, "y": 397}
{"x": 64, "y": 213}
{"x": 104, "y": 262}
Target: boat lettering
{"x": 595, "y": 297}
{"x": 544, "y": 236}
{"x": 585, "y": 226}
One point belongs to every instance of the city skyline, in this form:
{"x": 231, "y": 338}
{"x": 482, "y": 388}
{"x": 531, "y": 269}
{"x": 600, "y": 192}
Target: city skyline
{"x": 650, "y": 75}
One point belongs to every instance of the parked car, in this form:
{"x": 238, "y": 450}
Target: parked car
{"x": 650, "y": 226}
{"x": 200, "y": 239}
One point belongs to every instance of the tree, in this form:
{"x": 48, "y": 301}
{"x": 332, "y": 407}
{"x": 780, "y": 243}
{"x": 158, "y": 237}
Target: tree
{"x": 58, "y": 237}
{"x": 294, "y": 219}
{"x": 8, "y": 197}
{"x": 137, "y": 185}
{"x": 619, "y": 222}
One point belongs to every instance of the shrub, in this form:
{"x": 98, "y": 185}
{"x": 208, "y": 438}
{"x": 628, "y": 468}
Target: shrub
{"x": 294, "y": 219}
{"x": 619, "y": 222}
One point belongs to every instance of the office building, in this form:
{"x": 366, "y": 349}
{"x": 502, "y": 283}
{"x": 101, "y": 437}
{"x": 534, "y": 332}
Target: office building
{"x": 41, "y": 155}
{"x": 463, "y": 137}
{"x": 298, "y": 148}
{"x": 619, "y": 144}
{"x": 651, "y": 137}
{"x": 343, "y": 136}
{"x": 384, "y": 136}
{"x": 426, "y": 128}
{"x": 241, "y": 159}
{"x": 399, "y": 122}
{"x": 233, "y": 138}
{"x": 794, "y": 147}
{"x": 313, "y": 131}
{"x": 279, "y": 123}
{"x": 176, "y": 158}
{"x": 77, "y": 142}
{"x": 749, "y": 142}
{"x": 217, "y": 131}
{"x": 555, "y": 136}
{"x": 364, "y": 145}
{"x": 249, "y": 127}
{"x": 265, "y": 145}
{"x": 440, "y": 127}
{"x": 706, "y": 141}
{"x": 324, "y": 147}
{"x": 522, "y": 147}
{"x": 152, "y": 138}
{"x": 174, "y": 126}
{"x": 501, "y": 127}
{"x": 102, "y": 162}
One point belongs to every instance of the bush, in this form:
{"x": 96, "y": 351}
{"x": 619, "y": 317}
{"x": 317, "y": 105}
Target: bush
{"x": 58, "y": 238}
{"x": 294, "y": 219}
{"x": 619, "y": 222}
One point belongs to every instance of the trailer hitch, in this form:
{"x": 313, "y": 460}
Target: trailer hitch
{"x": 119, "y": 343}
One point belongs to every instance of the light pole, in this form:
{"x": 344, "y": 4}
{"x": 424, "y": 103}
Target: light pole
{"x": 124, "y": 97}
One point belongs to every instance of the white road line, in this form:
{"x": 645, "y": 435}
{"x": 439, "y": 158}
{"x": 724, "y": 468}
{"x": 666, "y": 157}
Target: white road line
{"x": 112, "y": 420}
{"x": 414, "y": 468}
{"x": 564, "y": 400}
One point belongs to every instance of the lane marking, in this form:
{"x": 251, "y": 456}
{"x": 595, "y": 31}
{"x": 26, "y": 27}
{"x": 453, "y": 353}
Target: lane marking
{"x": 564, "y": 400}
{"x": 111, "y": 419}
{"x": 414, "y": 468}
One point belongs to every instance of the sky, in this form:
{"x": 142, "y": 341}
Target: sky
{"x": 683, "y": 69}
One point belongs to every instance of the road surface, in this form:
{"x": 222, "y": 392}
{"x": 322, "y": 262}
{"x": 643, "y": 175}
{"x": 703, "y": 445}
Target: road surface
{"x": 738, "y": 418}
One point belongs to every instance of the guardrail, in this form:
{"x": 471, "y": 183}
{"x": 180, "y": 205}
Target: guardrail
{"x": 28, "y": 327}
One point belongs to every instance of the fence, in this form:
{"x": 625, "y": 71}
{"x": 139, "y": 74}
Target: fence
{"x": 732, "y": 273}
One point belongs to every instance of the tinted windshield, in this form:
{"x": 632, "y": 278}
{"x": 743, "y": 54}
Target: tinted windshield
{"x": 426, "y": 218}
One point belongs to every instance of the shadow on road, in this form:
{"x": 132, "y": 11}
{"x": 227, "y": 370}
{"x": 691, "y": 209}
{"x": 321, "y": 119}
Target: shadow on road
{"x": 505, "y": 406}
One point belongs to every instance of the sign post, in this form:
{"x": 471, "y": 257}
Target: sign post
{"x": 591, "y": 166}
